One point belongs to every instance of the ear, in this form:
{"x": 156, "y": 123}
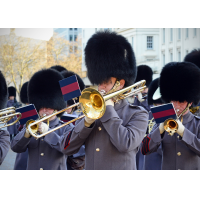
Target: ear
{"x": 122, "y": 83}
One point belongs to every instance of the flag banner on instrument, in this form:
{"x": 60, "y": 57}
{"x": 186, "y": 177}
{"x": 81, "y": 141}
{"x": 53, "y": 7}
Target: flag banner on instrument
{"x": 163, "y": 112}
{"x": 70, "y": 87}
{"x": 28, "y": 112}
{"x": 68, "y": 117}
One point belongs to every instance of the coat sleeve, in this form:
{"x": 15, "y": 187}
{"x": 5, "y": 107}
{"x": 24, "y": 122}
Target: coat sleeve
{"x": 4, "y": 144}
{"x": 192, "y": 140}
{"x": 19, "y": 143}
{"x": 54, "y": 140}
{"x": 71, "y": 143}
{"x": 125, "y": 138}
{"x": 152, "y": 141}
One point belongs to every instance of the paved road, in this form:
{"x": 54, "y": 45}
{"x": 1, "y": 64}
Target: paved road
{"x": 9, "y": 161}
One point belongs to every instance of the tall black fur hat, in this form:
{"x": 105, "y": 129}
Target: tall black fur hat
{"x": 44, "y": 90}
{"x": 24, "y": 93}
{"x": 193, "y": 57}
{"x": 152, "y": 88}
{"x": 180, "y": 81}
{"x": 3, "y": 92}
{"x": 59, "y": 68}
{"x": 67, "y": 74}
{"x": 109, "y": 55}
{"x": 144, "y": 72}
{"x": 11, "y": 91}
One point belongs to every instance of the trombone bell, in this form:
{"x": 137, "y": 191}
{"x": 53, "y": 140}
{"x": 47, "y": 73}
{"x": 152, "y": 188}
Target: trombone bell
{"x": 171, "y": 126}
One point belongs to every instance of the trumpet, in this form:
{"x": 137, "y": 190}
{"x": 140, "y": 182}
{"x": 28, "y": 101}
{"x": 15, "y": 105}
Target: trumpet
{"x": 92, "y": 104}
{"x": 7, "y": 114}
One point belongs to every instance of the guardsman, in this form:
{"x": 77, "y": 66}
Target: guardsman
{"x": 4, "y": 135}
{"x": 144, "y": 72}
{"x": 22, "y": 158}
{"x": 76, "y": 161}
{"x": 194, "y": 57}
{"x": 153, "y": 161}
{"x": 59, "y": 68}
{"x": 112, "y": 141}
{"x": 45, "y": 153}
{"x": 179, "y": 84}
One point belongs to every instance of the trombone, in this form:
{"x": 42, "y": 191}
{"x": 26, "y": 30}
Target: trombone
{"x": 7, "y": 114}
{"x": 92, "y": 104}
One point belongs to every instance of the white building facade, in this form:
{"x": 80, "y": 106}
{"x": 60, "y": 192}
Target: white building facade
{"x": 176, "y": 43}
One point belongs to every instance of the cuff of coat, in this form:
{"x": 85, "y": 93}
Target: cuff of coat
{"x": 82, "y": 130}
{"x": 110, "y": 113}
{"x": 155, "y": 135}
{"x": 22, "y": 141}
{"x": 188, "y": 136}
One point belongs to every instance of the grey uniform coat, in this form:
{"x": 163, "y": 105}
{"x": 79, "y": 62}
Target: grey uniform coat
{"x": 113, "y": 140}
{"x": 44, "y": 153}
{"x": 4, "y": 144}
{"x": 178, "y": 152}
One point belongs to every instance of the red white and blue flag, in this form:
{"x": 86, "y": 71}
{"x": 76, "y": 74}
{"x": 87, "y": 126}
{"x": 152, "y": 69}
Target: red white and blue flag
{"x": 163, "y": 112}
{"x": 28, "y": 112}
{"x": 68, "y": 117}
{"x": 70, "y": 88}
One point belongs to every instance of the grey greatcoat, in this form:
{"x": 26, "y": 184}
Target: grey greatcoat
{"x": 44, "y": 153}
{"x": 4, "y": 144}
{"x": 178, "y": 152}
{"x": 113, "y": 140}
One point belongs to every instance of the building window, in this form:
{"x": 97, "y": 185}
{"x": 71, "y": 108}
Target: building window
{"x": 171, "y": 34}
{"x": 75, "y": 37}
{"x": 179, "y": 33}
{"x": 71, "y": 29}
{"x": 71, "y": 38}
{"x": 163, "y": 59}
{"x": 149, "y": 42}
{"x": 187, "y": 33}
{"x": 179, "y": 56}
{"x": 195, "y": 32}
{"x": 75, "y": 29}
{"x": 171, "y": 57}
{"x": 163, "y": 35}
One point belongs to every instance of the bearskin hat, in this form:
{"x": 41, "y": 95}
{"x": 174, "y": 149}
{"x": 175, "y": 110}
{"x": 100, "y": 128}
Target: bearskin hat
{"x": 3, "y": 92}
{"x": 12, "y": 91}
{"x": 109, "y": 55}
{"x": 180, "y": 81}
{"x": 152, "y": 89}
{"x": 67, "y": 74}
{"x": 44, "y": 90}
{"x": 24, "y": 93}
{"x": 193, "y": 57}
{"x": 59, "y": 68}
{"x": 144, "y": 72}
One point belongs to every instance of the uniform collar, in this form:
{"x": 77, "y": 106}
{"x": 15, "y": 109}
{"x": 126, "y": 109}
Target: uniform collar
{"x": 120, "y": 104}
{"x": 187, "y": 118}
{"x": 53, "y": 122}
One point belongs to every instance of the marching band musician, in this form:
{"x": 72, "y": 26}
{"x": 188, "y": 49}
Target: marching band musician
{"x": 4, "y": 135}
{"x": 180, "y": 85}
{"x": 45, "y": 153}
{"x": 144, "y": 72}
{"x": 112, "y": 141}
{"x": 59, "y": 68}
{"x": 153, "y": 161}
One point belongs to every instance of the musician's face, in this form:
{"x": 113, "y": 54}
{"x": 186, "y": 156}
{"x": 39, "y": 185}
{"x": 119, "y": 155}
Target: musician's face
{"x": 145, "y": 91}
{"x": 108, "y": 85}
{"x": 47, "y": 112}
{"x": 180, "y": 106}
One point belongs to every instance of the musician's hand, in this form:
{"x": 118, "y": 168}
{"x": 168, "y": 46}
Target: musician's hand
{"x": 181, "y": 128}
{"x": 140, "y": 97}
{"x": 88, "y": 121}
{"x": 110, "y": 102}
{"x": 42, "y": 127}
{"x": 161, "y": 128}
{"x": 27, "y": 134}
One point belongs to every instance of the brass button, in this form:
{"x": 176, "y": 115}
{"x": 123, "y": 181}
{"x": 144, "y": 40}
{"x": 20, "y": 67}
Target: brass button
{"x": 42, "y": 154}
{"x": 97, "y": 149}
{"x": 41, "y": 168}
{"x": 178, "y": 136}
{"x": 99, "y": 128}
{"x": 179, "y": 153}
{"x": 179, "y": 169}
{"x": 42, "y": 140}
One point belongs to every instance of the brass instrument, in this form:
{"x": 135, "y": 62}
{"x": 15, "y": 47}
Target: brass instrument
{"x": 193, "y": 110}
{"x": 171, "y": 125}
{"x": 7, "y": 114}
{"x": 92, "y": 104}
